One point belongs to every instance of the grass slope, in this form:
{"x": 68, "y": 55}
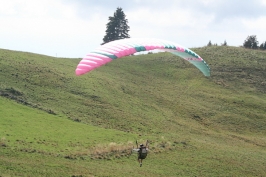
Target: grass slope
{"x": 85, "y": 126}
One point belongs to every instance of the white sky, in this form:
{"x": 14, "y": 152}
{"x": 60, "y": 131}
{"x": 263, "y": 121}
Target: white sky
{"x": 73, "y": 28}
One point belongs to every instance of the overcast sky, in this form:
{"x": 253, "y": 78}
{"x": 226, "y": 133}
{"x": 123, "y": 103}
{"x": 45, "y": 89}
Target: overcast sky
{"x": 73, "y": 28}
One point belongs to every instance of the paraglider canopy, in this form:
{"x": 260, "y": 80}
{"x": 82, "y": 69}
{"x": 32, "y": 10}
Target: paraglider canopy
{"x": 125, "y": 47}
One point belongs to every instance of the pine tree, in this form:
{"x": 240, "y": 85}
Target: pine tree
{"x": 117, "y": 27}
{"x": 251, "y": 42}
{"x": 209, "y": 44}
{"x": 262, "y": 46}
{"x": 224, "y": 44}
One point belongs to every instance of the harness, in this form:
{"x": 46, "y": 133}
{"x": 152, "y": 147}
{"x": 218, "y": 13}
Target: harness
{"x": 143, "y": 152}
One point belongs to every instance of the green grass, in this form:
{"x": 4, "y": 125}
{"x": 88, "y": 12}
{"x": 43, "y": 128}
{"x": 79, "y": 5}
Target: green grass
{"x": 53, "y": 123}
{"x": 25, "y": 127}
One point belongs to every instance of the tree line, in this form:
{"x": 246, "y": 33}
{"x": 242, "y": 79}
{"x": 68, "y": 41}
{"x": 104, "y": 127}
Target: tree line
{"x": 118, "y": 28}
{"x": 250, "y": 42}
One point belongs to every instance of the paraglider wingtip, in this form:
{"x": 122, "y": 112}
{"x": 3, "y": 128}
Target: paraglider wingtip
{"x": 79, "y": 72}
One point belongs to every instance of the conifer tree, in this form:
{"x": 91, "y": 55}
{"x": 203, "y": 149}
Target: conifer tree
{"x": 117, "y": 27}
{"x": 224, "y": 44}
{"x": 262, "y": 46}
{"x": 251, "y": 42}
{"x": 209, "y": 44}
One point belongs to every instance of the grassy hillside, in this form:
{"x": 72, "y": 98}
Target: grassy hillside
{"x": 64, "y": 125}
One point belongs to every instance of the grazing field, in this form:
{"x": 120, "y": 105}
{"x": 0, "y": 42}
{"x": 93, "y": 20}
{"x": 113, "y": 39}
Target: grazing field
{"x": 53, "y": 123}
